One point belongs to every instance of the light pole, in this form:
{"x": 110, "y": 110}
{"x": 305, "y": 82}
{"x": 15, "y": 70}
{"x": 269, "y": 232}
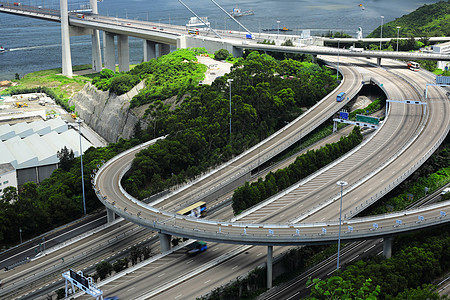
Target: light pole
{"x": 229, "y": 84}
{"x": 342, "y": 184}
{"x": 79, "y": 121}
{"x": 337, "y": 74}
{"x": 398, "y": 31}
{"x": 381, "y": 34}
{"x": 20, "y": 233}
{"x": 278, "y": 28}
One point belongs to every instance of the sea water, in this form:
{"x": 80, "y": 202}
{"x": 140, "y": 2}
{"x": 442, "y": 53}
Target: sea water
{"x": 36, "y": 44}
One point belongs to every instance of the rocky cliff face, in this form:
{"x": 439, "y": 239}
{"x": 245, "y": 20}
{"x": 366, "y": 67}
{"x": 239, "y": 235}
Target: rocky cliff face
{"x": 109, "y": 115}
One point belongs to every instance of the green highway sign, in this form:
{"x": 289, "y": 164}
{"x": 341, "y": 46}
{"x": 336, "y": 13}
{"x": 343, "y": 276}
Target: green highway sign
{"x": 367, "y": 119}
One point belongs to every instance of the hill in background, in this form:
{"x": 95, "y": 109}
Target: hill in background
{"x": 426, "y": 21}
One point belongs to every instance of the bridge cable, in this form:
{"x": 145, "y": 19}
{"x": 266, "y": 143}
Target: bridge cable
{"x": 199, "y": 18}
{"x": 231, "y": 16}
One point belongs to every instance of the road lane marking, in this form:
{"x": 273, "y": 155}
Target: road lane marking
{"x": 162, "y": 275}
{"x": 369, "y": 248}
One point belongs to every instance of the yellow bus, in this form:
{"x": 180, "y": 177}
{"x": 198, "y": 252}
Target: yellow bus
{"x": 196, "y": 210}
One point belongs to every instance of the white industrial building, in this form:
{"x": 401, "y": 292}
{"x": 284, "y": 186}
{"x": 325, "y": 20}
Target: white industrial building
{"x": 31, "y": 148}
{"x": 443, "y": 48}
{"x": 8, "y": 177}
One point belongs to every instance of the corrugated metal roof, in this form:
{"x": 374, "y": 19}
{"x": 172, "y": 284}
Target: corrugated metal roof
{"x": 36, "y": 150}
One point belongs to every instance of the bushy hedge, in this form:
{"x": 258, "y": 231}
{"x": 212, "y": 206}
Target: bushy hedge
{"x": 122, "y": 84}
{"x": 305, "y": 164}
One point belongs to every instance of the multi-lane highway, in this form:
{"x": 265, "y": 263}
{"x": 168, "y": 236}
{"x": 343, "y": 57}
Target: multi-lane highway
{"x": 409, "y": 134}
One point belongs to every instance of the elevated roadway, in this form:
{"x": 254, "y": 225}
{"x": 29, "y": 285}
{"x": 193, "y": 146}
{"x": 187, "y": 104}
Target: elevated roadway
{"x": 425, "y": 130}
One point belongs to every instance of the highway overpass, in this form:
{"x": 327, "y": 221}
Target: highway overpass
{"x": 407, "y": 138}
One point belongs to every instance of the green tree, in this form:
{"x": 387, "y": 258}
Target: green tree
{"x": 66, "y": 158}
{"x": 221, "y": 54}
{"x": 103, "y": 269}
{"x": 337, "y": 288}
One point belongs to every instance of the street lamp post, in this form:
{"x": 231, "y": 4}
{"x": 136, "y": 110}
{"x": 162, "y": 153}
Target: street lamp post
{"x": 278, "y": 28}
{"x": 337, "y": 73}
{"x": 229, "y": 84}
{"x": 20, "y": 233}
{"x": 342, "y": 184}
{"x": 79, "y": 121}
{"x": 398, "y": 31}
{"x": 381, "y": 34}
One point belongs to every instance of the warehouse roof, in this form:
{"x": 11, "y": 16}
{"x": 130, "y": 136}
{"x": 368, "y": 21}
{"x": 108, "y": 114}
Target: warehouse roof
{"x": 39, "y": 150}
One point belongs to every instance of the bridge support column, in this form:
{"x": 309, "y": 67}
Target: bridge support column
{"x": 110, "y": 215}
{"x": 149, "y": 50}
{"x": 164, "y": 49}
{"x": 237, "y": 52}
{"x": 96, "y": 51}
{"x": 379, "y": 61}
{"x": 164, "y": 241}
{"x": 124, "y": 53}
{"x": 269, "y": 266}
{"x": 387, "y": 247}
{"x": 65, "y": 40}
{"x": 109, "y": 51}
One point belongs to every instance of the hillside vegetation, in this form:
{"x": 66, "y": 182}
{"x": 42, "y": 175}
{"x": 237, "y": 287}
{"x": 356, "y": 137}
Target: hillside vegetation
{"x": 428, "y": 20}
{"x": 266, "y": 93}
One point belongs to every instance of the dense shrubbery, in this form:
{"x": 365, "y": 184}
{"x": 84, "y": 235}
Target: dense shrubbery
{"x": 221, "y": 54}
{"x": 122, "y": 84}
{"x": 305, "y": 164}
{"x": 428, "y": 20}
{"x": 199, "y": 128}
{"x": 169, "y": 75}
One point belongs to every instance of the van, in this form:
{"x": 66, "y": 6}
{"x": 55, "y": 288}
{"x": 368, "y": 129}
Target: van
{"x": 340, "y": 97}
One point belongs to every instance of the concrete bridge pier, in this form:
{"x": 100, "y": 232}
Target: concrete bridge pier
{"x": 149, "y": 50}
{"x": 109, "y": 51}
{"x": 163, "y": 49}
{"x": 379, "y": 61}
{"x": 96, "y": 51}
{"x": 110, "y": 215}
{"x": 269, "y": 266}
{"x": 387, "y": 247}
{"x": 124, "y": 53}
{"x": 164, "y": 241}
{"x": 65, "y": 40}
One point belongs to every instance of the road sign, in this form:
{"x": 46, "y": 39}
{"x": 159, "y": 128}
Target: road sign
{"x": 343, "y": 115}
{"x": 367, "y": 119}
{"x": 442, "y": 79}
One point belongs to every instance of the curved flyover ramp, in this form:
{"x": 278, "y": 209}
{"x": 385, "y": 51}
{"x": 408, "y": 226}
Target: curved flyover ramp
{"x": 408, "y": 136}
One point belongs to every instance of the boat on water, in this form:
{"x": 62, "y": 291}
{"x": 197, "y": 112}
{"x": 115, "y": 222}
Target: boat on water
{"x": 3, "y": 49}
{"x": 276, "y": 29}
{"x": 362, "y": 7}
{"x": 236, "y": 12}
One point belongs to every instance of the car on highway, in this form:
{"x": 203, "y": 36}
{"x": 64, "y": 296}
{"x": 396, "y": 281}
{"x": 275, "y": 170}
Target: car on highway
{"x": 445, "y": 191}
{"x": 196, "y": 248}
